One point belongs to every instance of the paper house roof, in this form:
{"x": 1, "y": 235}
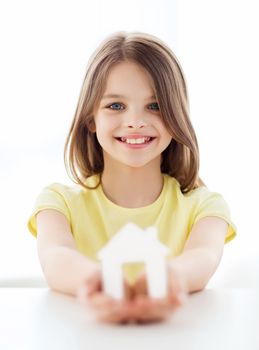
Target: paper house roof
{"x": 132, "y": 244}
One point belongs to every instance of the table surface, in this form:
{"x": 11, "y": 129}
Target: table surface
{"x": 38, "y": 318}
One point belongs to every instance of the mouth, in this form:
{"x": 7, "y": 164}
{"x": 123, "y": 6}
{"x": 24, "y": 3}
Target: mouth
{"x": 136, "y": 141}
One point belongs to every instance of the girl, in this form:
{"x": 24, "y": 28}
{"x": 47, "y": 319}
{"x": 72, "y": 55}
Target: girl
{"x": 133, "y": 153}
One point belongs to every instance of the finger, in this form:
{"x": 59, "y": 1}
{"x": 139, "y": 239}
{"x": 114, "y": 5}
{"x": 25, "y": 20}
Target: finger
{"x": 177, "y": 288}
{"x": 176, "y": 293}
{"x": 177, "y": 297}
{"x": 110, "y": 310}
{"x": 103, "y": 307}
{"x": 156, "y": 309}
{"x": 140, "y": 287}
{"x": 114, "y": 315}
{"x": 151, "y": 310}
{"x": 87, "y": 290}
{"x": 100, "y": 300}
{"x": 128, "y": 291}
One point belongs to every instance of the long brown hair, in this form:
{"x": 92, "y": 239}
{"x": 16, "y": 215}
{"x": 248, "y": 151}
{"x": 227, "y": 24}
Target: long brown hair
{"x": 83, "y": 154}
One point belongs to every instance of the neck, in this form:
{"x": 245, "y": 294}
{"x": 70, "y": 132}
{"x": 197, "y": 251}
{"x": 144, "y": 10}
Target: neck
{"x": 132, "y": 187}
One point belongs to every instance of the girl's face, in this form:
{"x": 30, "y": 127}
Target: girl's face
{"x": 127, "y": 121}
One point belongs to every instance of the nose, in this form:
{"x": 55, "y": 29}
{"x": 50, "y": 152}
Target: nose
{"x": 135, "y": 123}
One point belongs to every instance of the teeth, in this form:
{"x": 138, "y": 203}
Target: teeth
{"x": 135, "y": 141}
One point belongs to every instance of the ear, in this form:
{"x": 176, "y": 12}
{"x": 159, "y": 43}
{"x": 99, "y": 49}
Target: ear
{"x": 91, "y": 125}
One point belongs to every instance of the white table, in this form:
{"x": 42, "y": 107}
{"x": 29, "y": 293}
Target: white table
{"x": 37, "y": 318}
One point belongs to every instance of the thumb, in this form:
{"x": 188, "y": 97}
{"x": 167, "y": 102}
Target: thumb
{"x": 128, "y": 289}
{"x": 93, "y": 284}
{"x": 89, "y": 286}
{"x": 140, "y": 287}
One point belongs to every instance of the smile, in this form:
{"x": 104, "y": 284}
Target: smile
{"x": 138, "y": 141}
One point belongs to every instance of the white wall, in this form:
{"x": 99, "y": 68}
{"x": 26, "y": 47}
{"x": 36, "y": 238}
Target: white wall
{"x": 218, "y": 48}
{"x": 45, "y": 46}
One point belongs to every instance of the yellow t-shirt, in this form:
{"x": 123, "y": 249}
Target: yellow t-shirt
{"x": 94, "y": 219}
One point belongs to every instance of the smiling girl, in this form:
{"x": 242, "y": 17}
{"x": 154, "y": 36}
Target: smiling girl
{"x": 133, "y": 154}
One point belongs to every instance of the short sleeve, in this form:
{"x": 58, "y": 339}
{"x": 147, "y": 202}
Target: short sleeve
{"x": 50, "y": 198}
{"x": 213, "y": 204}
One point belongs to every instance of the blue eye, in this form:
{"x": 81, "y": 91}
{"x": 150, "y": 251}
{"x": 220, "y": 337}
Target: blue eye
{"x": 154, "y": 106}
{"x": 117, "y": 106}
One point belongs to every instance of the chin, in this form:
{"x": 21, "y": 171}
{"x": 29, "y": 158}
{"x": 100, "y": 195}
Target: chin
{"x": 132, "y": 162}
{"x": 140, "y": 164}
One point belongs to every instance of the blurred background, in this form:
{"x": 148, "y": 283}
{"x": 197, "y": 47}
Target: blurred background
{"x": 45, "y": 46}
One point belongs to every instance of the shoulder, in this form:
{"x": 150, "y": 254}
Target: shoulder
{"x": 70, "y": 200}
{"x": 200, "y": 194}
{"x": 203, "y": 196}
{"x": 199, "y": 203}
{"x": 173, "y": 186}
{"x": 72, "y": 191}
{"x": 63, "y": 189}
{"x": 196, "y": 198}
{"x": 58, "y": 192}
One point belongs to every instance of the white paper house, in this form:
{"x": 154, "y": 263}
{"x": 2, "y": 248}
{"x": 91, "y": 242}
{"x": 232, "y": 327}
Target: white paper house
{"x": 131, "y": 244}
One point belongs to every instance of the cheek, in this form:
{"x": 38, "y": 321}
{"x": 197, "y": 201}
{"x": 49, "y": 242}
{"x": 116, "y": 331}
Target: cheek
{"x": 105, "y": 126}
{"x": 166, "y": 141}
{"x": 103, "y": 132}
{"x": 167, "y": 138}
{"x": 164, "y": 132}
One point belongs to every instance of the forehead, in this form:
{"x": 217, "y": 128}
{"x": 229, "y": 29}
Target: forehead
{"x": 128, "y": 77}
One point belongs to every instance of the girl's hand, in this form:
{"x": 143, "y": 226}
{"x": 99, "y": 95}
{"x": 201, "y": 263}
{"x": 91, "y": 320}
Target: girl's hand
{"x": 148, "y": 310}
{"x": 137, "y": 307}
{"x": 104, "y": 307}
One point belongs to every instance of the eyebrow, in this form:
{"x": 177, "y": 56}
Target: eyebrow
{"x": 121, "y": 96}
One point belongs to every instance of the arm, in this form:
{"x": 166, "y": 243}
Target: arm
{"x": 65, "y": 269}
{"x": 188, "y": 272}
{"x": 68, "y": 271}
{"x": 202, "y": 253}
